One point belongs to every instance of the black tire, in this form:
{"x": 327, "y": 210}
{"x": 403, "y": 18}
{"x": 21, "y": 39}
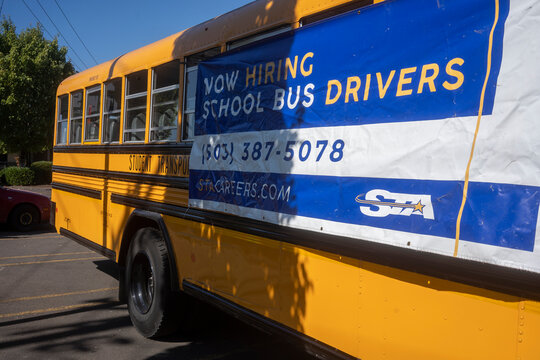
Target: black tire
{"x": 24, "y": 217}
{"x": 151, "y": 303}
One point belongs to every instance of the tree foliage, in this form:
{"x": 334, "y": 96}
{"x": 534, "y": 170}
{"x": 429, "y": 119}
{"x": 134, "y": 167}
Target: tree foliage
{"x": 31, "y": 68}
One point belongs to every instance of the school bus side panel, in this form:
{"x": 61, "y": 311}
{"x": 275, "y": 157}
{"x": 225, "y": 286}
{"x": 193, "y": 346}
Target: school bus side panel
{"x": 367, "y": 310}
{"x": 77, "y": 213}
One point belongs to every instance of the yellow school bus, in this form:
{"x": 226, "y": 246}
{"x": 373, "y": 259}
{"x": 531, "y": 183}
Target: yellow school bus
{"x": 411, "y": 276}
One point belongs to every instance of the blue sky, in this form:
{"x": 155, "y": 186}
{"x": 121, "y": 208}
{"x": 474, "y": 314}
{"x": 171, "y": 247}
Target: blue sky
{"x": 110, "y": 28}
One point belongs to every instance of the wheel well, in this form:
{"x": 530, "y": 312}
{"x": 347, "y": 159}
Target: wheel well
{"x": 141, "y": 219}
{"x": 135, "y": 222}
{"x": 25, "y": 204}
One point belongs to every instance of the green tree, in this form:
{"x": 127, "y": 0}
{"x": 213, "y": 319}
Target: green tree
{"x": 31, "y": 68}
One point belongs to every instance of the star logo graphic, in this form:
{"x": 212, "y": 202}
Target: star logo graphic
{"x": 419, "y": 207}
{"x": 416, "y": 207}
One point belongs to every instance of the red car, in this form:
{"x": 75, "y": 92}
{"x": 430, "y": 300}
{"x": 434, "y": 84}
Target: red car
{"x": 22, "y": 209}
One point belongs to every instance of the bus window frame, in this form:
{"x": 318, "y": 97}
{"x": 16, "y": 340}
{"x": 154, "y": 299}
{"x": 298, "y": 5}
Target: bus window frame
{"x": 119, "y": 111}
{"x": 126, "y": 109}
{"x": 185, "y": 137}
{"x": 88, "y": 91}
{"x": 162, "y": 90}
{"x": 59, "y": 121}
{"x": 280, "y": 29}
{"x": 354, "y": 5}
{"x": 187, "y": 69}
{"x": 81, "y": 118}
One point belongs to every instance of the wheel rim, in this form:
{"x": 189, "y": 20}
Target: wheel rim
{"x": 142, "y": 283}
{"x": 25, "y": 218}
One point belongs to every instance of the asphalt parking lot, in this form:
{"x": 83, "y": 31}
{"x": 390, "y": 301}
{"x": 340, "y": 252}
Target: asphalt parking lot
{"x": 58, "y": 301}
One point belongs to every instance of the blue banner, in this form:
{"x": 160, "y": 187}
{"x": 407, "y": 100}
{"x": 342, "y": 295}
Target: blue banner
{"x": 363, "y": 125}
{"x": 405, "y": 60}
{"x": 496, "y": 214}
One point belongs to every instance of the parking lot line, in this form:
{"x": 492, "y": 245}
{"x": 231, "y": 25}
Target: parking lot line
{"x": 51, "y": 261}
{"x": 26, "y": 298}
{"x": 60, "y": 308}
{"x": 43, "y": 255}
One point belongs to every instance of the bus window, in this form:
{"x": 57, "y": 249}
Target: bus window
{"x": 259, "y": 36}
{"x": 335, "y": 11}
{"x": 111, "y": 111}
{"x": 164, "y": 114}
{"x": 75, "y": 118}
{"x": 91, "y": 129}
{"x": 190, "y": 90}
{"x": 135, "y": 107}
{"x": 62, "y": 124}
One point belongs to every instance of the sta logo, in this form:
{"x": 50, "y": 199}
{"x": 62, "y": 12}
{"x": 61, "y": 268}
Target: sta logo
{"x": 381, "y": 203}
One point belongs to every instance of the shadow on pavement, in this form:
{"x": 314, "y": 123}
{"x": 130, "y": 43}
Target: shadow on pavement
{"x": 216, "y": 335}
{"x": 107, "y": 304}
{"x": 6, "y": 230}
{"x": 78, "y": 336}
{"x": 108, "y": 267}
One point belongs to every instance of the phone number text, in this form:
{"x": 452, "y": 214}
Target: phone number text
{"x": 271, "y": 151}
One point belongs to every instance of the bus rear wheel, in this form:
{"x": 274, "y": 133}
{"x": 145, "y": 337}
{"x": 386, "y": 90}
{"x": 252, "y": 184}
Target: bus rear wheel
{"x": 150, "y": 300}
